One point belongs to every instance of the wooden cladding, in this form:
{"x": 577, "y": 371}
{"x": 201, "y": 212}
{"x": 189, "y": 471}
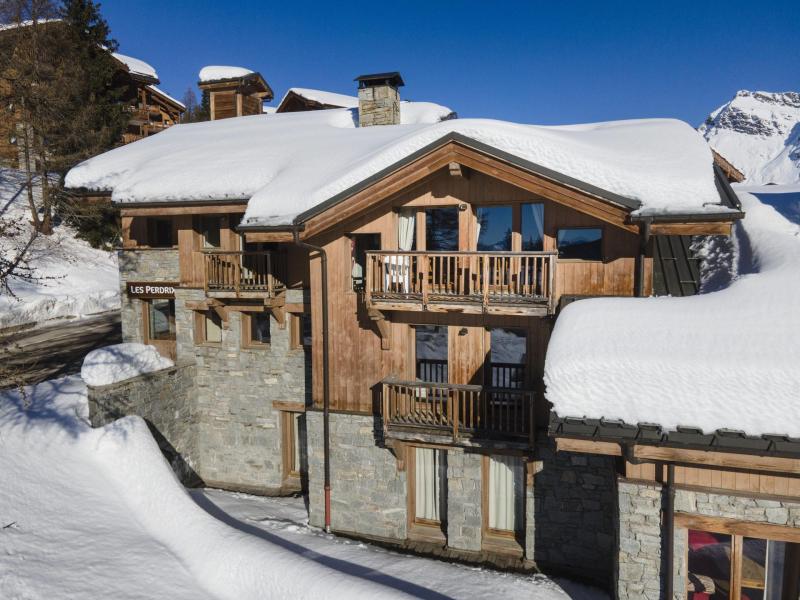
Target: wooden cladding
{"x": 243, "y": 273}
{"x": 458, "y": 411}
{"x": 520, "y": 282}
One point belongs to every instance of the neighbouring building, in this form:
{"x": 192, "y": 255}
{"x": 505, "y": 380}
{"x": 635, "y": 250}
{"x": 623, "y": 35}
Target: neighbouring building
{"x": 360, "y": 305}
{"x": 234, "y": 91}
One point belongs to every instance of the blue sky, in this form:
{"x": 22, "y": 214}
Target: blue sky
{"x": 548, "y": 62}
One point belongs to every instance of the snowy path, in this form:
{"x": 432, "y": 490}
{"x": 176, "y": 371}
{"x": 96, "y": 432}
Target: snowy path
{"x": 284, "y": 520}
{"x": 96, "y": 513}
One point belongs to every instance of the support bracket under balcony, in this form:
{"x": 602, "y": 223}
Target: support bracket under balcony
{"x": 383, "y": 326}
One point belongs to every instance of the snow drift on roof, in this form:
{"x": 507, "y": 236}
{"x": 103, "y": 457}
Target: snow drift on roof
{"x": 217, "y": 72}
{"x": 288, "y": 163}
{"x": 136, "y": 66}
{"x": 323, "y": 97}
{"x": 720, "y": 360}
{"x": 167, "y": 96}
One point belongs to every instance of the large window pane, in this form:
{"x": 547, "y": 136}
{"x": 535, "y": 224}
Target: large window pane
{"x": 508, "y": 356}
{"x": 709, "y": 568}
{"x": 161, "y": 320}
{"x": 494, "y": 228}
{"x": 441, "y": 229}
{"x": 532, "y": 227}
{"x": 580, "y": 243}
{"x": 754, "y": 565}
{"x": 782, "y": 571}
{"x": 431, "y": 353}
{"x": 210, "y": 228}
{"x": 506, "y": 493}
{"x": 259, "y": 328}
{"x": 430, "y": 472}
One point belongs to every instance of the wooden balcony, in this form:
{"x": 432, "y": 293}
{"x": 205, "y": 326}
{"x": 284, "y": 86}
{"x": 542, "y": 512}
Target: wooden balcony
{"x": 517, "y": 283}
{"x": 242, "y": 274}
{"x": 457, "y": 414}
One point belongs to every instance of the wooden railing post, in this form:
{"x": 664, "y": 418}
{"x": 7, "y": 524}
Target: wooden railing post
{"x": 455, "y": 398}
{"x": 530, "y": 399}
{"x": 485, "y": 282}
{"x": 385, "y": 402}
{"x": 368, "y": 278}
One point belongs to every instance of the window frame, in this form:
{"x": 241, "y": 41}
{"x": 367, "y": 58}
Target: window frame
{"x": 423, "y": 529}
{"x": 147, "y": 321}
{"x": 200, "y": 330}
{"x": 500, "y": 540}
{"x": 203, "y": 229}
{"x": 247, "y": 330}
{"x": 600, "y": 228}
{"x": 291, "y": 473}
{"x": 296, "y": 338}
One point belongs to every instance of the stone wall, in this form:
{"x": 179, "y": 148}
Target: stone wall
{"x": 163, "y": 399}
{"x": 157, "y": 264}
{"x": 368, "y": 494}
{"x": 639, "y": 561}
{"x": 378, "y": 105}
{"x": 574, "y": 512}
{"x": 464, "y": 499}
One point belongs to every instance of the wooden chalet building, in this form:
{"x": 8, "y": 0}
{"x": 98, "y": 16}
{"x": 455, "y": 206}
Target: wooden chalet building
{"x": 371, "y": 325}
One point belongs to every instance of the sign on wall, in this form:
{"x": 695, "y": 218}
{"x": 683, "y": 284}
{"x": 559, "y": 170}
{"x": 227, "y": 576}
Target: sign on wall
{"x": 153, "y": 289}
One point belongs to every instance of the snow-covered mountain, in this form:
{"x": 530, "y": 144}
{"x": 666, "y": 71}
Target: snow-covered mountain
{"x": 759, "y": 133}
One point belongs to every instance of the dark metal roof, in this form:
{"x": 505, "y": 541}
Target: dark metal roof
{"x": 391, "y": 78}
{"x": 722, "y": 440}
{"x": 676, "y": 268}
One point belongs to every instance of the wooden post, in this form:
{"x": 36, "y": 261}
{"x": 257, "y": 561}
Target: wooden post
{"x": 385, "y": 403}
{"x": 531, "y": 398}
{"x": 453, "y": 395}
{"x": 422, "y": 266}
{"x": 485, "y": 282}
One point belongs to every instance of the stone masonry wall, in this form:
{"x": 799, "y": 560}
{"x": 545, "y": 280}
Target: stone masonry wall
{"x": 368, "y": 494}
{"x": 142, "y": 265}
{"x": 378, "y": 105}
{"x": 639, "y": 561}
{"x": 464, "y": 499}
{"x": 163, "y": 399}
{"x": 238, "y": 431}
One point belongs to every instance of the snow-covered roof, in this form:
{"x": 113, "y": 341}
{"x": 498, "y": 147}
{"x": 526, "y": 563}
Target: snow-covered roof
{"x": 323, "y": 97}
{"x": 136, "y": 66}
{"x": 27, "y": 23}
{"x": 219, "y": 72}
{"x": 268, "y": 110}
{"x": 726, "y": 359}
{"x": 285, "y": 164}
{"x": 167, "y": 96}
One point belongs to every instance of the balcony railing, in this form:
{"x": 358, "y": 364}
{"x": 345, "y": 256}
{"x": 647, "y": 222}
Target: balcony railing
{"x": 521, "y": 282}
{"x": 243, "y": 273}
{"x": 459, "y": 412}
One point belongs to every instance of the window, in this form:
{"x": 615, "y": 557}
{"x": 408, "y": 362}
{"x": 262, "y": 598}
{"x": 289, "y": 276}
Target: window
{"x": 360, "y": 243}
{"x": 208, "y": 327}
{"x": 722, "y": 566}
{"x": 210, "y": 230}
{"x": 580, "y": 243}
{"x": 532, "y": 227}
{"x": 494, "y": 228}
{"x": 161, "y": 320}
{"x": 255, "y": 329}
{"x": 441, "y": 229}
{"x": 300, "y": 334}
{"x": 505, "y": 495}
{"x": 159, "y": 233}
{"x": 430, "y": 345}
{"x": 292, "y": 430}
{"x": 430, "y": 485}
{"x": 508, "y": 357}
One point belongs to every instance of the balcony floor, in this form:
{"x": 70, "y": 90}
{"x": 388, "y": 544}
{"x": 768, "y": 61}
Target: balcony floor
{"x": 496, "y": 304}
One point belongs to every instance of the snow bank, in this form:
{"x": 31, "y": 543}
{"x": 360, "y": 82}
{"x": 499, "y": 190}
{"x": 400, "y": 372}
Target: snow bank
{"x": 288, "y": 163}
{"x": 73, "y": 279}
{"x": 136, "y": 66}
{"x": 703, "y": 361}
{"x": 217, "y": 72}
{"x": 111, "y": 364}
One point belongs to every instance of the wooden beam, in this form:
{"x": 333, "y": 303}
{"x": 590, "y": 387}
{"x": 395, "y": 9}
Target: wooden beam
{"x": 728, "y": 460}
{"x": 184, "y": 209}
{"x": 279, "y": 312}
{"x": 588, "y": 446}
{"x": 384, "y": 327}
{"x": 737, "y": 527}
{"x": 456, "y": 170}
{"x": 268, "y": 236}
{"x": 196, "y": 304}
{"x": 701, "y": 228}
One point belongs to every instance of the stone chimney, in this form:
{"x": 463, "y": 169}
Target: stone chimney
{"x": 378, "y": 99}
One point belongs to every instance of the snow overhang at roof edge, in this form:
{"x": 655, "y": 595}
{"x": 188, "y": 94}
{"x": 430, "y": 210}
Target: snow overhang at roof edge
{"x": 622, "y": 201}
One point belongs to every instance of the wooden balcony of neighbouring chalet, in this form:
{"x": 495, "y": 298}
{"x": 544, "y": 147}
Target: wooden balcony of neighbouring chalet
{"x": 467, "y": 415}
{"x": 512, "y": 283}
{"x": 240, "y": 274}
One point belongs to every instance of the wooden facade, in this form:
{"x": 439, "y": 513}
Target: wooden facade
{"x": 151, "y": 111}
{"x": 237, "y": 97}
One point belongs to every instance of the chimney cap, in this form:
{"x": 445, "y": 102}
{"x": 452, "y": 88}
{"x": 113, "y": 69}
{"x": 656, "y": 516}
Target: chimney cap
{"x": 392, "y": 78}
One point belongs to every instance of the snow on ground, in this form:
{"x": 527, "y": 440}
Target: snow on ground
{"x": 288, "y": 163}
{"x": 135, "y": 65}
{"x": 97, "y": 513}
{"x": 700, "y": 361}
{"x": 217, "y": 72}
{"x": 783, "y": 198}
{"x": 75, "y": 279}
{"x": 110, "y": 364}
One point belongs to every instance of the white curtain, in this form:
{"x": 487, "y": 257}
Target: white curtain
{"x": 406, "y": 225}
{"x": 506, "y": 495}
{"x": 428, "y": 469}
{"x": 296, "y": 436}
{"x": 213, "y": 328}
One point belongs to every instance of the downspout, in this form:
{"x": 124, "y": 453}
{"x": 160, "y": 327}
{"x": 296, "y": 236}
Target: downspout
{"x": 644, "y": 239}
{"x": 326, "y": 441}
{"x": 669, "y": 526}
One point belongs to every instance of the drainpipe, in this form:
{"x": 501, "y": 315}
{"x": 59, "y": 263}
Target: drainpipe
{"x": 644, "y": 239}
{"x": 669, "y": 526}
{"x": 326, "y": 401}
